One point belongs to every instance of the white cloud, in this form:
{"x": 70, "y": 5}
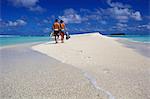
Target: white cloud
{"x": 122, "y": 18}
{"x": 136, "y": 16}
{"x": 37, "y": 8}
{"x": 25, "y": 3}
{"x": 30, "y": 4}
{"x": 125, "y": 27}
{"x": 87, "y": 14}
{"x": 148, "y": 26}
{"x": 18, "y": 22}
{"x": 94, "y": 17}
{"x": 71, "y": 16}
{"x": 15, "y": 23}
{"x": 145, "y": 26}
{"x": 120, "y": 27}
{"x": 123, "y": 12}
{"x": 118, "y": 11}
{"x": 117, "y": 4}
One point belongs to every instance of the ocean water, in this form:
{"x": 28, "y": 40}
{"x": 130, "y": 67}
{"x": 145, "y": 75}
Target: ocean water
{"x": 135, "y": 38}
{"x": 12, "y": 40}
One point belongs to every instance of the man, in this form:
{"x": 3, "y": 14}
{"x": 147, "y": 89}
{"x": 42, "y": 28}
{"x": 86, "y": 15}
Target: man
{"x": 56, "y": 28}
{"x": 62, "y": 30}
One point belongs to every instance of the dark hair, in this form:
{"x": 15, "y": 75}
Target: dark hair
{"x": 56, "y": 20}
{"x": 61, "y": 21}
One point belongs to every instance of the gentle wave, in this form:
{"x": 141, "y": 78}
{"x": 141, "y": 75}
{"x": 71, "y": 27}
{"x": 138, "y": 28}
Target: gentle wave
{"x": 13, "y": 40}
{"x": 9, "y": 36}
{"x": 94, "y": 83}
{"x": 136, "y": 38}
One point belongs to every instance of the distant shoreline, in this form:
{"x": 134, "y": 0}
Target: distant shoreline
{"x": 136, "y": 45}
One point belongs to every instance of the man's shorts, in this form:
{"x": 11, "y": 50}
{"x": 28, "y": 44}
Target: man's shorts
{"x": 56, "y": 33}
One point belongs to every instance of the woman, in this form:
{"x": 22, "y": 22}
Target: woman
{"x": 62, "y": 30}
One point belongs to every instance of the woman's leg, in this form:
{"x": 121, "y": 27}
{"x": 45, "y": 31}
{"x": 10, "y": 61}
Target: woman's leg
{"x": 62, "y": 37}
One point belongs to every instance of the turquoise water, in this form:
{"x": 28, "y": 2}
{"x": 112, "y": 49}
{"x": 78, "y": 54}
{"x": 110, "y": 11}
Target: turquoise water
{"x": 11, "y": 40}
{"x": 136, "y": 38}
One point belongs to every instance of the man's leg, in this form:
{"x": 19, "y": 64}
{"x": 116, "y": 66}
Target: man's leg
{"x": 55, "y": 34}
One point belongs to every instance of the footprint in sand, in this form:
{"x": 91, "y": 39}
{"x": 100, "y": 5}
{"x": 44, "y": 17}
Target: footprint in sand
{"x": 106, "y": 70}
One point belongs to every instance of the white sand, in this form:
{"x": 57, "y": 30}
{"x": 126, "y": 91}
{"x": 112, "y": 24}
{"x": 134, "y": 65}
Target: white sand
{"x": 26, "y": 74}
{"x": 119, "y": 71}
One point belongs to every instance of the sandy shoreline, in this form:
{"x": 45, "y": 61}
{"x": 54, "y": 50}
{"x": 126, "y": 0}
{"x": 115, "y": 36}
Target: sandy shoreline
{"x": 115, "y": 68}
{"x": 26, "y": 74}
{"x": 87, "y": 66}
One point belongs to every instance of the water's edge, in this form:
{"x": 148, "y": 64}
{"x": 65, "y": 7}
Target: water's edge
{"x": 140, "y": 47}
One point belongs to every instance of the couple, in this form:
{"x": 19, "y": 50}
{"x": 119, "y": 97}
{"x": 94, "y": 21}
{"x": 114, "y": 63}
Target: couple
{"x": 59, "y": 29}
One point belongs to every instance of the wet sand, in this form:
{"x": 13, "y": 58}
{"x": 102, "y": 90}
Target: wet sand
{"x": 141, "y": 48}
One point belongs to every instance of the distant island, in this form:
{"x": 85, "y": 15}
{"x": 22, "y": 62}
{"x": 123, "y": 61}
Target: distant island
{"x": 118, "y": 34}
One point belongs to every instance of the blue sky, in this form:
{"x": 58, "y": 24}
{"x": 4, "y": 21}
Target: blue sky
{"x": 35, "y": 17}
